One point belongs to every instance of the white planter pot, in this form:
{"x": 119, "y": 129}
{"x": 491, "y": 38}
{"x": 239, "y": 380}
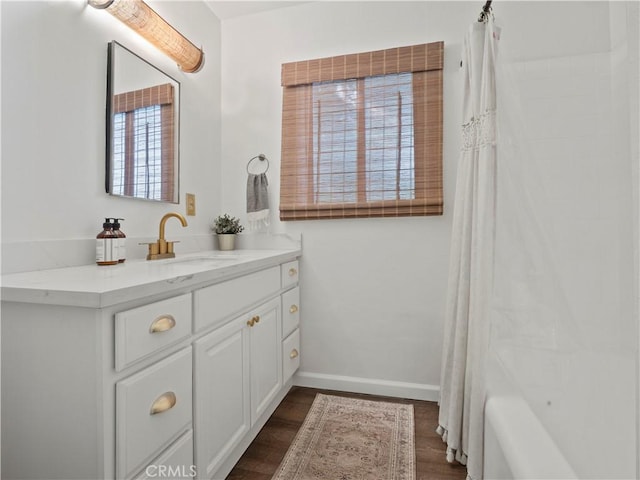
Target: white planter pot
{"x": 226, "y": 241}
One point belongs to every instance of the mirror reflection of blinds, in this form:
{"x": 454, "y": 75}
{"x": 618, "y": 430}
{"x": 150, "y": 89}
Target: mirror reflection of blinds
{"x": 148, "y": 152}
{"x": 143, "y": 177}
{"x": 143, "y": 143}
{"x": 118, "y": 154}
{"x": 373, "y": 143}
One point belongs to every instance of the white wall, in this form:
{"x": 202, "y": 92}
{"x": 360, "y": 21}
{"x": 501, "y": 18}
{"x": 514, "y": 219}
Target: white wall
{"x": 633, "y": 28}
{"x": 54, "y": 58}
{"x": 373, "y": 289}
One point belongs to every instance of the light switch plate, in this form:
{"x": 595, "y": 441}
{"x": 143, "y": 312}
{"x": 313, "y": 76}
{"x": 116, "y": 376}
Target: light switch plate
{"x": 191, "y": 204}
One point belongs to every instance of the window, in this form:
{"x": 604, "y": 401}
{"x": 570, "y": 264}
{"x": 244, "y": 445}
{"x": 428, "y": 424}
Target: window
{"x": 143, "y": 143}
{"x": 362, "y": 135}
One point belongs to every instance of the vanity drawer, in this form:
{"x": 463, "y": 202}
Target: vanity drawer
{"x": 152, "y": 408}
{"x": 215, "y": 303}
{"x": 290, "y": 311}
{"x": 141, "y": 331}
{"x": 176, "y": 461}
{"x": 290, "y": 355}
{"x": 290, "y": 271}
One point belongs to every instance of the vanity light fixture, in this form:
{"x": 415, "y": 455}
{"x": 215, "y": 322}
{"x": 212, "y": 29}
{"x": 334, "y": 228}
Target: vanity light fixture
{"x": 143, "y": 19}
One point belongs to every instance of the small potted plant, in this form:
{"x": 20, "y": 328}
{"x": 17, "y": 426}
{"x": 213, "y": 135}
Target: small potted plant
{"x": 226, "y": 228}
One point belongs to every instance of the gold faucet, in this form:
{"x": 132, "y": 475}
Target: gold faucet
{"x": 162, "y": 248}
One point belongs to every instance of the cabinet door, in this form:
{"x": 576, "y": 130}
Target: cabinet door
{"x": 266, "y": 356}
{"x": 222, "y": 403}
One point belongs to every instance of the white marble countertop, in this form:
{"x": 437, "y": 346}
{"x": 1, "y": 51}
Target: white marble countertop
{"x": 102, "y": 286}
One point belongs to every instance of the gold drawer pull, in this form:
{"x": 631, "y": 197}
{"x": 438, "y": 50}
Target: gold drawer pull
{"x": 162, "y": 324}
{"x": 293, "y": 308}
{"x": 293, "y": 272}
{"x": 257, "y": 318}
{"x": 253, "y": 320}
{"x": 294, "y": 353}
{"x": 164, "y": 402}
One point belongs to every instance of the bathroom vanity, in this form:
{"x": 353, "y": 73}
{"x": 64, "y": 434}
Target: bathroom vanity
{"x": 148, "y": 369}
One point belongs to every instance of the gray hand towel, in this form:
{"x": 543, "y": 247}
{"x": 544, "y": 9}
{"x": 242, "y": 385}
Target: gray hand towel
{"x": 257, "y": 201}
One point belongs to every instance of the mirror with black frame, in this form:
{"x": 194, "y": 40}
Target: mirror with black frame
{"x": 143, "y": 124}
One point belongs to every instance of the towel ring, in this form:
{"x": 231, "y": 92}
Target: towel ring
{"x": 262, "y": 157}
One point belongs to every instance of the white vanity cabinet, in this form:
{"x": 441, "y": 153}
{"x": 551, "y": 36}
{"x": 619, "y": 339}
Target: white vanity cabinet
{"x": 171, "y": 378}
{"x": 290, "y": 320}
{"x": 144, "y": 330}
{"x": 237, "y": 376}
{"x": 266, "y": 361}
{"x": 222, "y": 385}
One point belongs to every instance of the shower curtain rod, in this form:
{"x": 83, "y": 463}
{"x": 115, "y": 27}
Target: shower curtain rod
{"x": 486, "y": 10}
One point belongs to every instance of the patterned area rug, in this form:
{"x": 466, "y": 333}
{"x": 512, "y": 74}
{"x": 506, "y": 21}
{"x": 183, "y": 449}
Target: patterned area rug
{"x": 347, "y": 439}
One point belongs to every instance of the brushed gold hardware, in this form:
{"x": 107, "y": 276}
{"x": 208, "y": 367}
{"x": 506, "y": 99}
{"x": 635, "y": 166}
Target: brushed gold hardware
{"x": 166, "y": 217}
{"x": 257, "y": 318}
{"x": 164, "y": 402}
{"x": 251, "y": 322}
{"x": 293, "y": 309}
{"x": 294, "y": 353}
{"x": 154, "y": 248}
{"x": 293, "y": 272}
{"x": 162, "y": 324}
{"x": 161, "y": 248}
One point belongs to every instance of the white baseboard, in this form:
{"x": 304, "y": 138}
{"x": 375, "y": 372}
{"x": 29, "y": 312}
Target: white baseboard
{"x": 372, "y": 386}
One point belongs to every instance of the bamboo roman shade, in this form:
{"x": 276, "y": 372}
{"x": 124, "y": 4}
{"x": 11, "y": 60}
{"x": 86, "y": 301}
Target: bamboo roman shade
{"x": 145, "y": 97}
{"x": 362, "y": 135}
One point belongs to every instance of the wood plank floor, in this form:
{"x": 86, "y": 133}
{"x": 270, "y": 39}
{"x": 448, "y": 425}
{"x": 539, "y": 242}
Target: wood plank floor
{"x": 265, "y": 453}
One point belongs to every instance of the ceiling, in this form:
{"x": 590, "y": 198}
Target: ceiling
{"x": 230, "y": 9}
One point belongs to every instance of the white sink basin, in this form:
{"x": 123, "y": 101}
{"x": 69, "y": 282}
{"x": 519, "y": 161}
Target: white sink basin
{"x": 205, "y": 261}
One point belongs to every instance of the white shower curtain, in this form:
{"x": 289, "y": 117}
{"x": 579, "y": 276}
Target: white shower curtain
{"x": 471, "y": 264}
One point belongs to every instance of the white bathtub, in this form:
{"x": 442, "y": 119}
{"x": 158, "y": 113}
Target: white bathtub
{"x": 552, "y": 415}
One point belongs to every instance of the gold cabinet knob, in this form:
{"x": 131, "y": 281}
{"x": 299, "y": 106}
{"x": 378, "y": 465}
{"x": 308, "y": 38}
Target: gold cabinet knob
{"x": 162, "y": 324}
{"x": 294, "y": 353}
{"x": 251, "y": 322}
{"x": 293, "y": 309}
{"x": 164, "y": 402}
{"x": 293, "y": 272}
{"x": 256, "y": 318}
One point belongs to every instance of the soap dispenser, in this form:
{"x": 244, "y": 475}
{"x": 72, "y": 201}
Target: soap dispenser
{"x": 106, "y": 246}
{"x": 122, "y": 249}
